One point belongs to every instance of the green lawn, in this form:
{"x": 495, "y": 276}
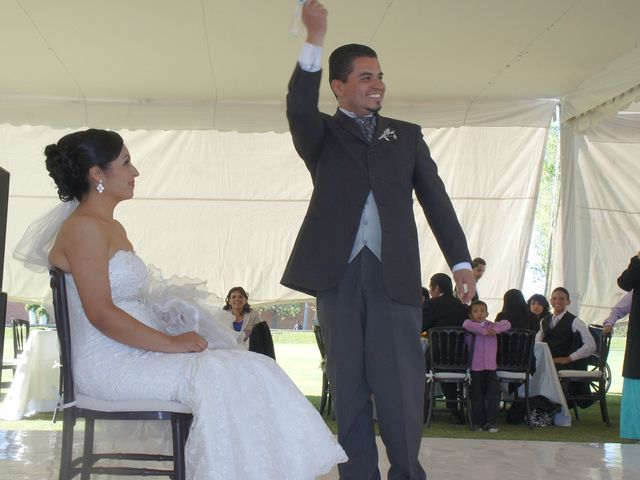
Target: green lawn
{"x": 298, "y": 355}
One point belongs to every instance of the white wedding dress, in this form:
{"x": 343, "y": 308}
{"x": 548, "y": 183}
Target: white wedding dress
{"x": 250, "y": 420}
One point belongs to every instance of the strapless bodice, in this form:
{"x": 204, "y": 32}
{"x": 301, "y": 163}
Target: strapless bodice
{"x": 128, "y": 276}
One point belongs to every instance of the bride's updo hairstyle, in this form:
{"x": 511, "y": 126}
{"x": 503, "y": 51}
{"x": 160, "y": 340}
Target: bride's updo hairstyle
{"x": 68, "y": 161}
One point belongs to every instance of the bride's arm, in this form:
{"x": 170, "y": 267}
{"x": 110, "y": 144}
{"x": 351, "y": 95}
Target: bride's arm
{"x": 86, "y": 248}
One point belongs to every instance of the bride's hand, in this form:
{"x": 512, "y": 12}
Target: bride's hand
{"x": 188, "y": 342}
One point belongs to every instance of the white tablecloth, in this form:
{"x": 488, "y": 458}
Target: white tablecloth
{"x": 35, "y": 384}
{"x": 545, "y": 382}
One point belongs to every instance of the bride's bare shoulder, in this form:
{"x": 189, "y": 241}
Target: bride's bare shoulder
{"x": 79, "y": 235}
{"x": 82, "y": 226}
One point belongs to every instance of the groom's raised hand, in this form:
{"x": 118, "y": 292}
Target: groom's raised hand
{"x": 314, "y": 18}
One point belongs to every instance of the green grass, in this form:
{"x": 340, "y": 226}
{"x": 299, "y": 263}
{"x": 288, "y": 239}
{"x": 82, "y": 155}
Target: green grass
{"x": 298, "y": 355}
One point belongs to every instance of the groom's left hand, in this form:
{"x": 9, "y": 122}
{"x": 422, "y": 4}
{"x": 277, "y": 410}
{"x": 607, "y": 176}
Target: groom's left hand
{"x": 466, "y": 284}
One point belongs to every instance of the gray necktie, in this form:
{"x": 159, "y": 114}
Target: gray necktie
{"x": 367, "y": 125}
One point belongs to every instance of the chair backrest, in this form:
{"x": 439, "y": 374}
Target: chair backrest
{"x": 603, "y": 342}
{"x": 450, "y": 349}
{"x": 515, "y": 350}
{"x": 61, "y": 313}
{"x": 20, "y": 335}
{"x": 317, "y": 331}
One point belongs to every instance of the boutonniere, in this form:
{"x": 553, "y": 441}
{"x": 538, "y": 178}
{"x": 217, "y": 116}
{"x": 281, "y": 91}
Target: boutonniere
{"x": 388, "y": 135}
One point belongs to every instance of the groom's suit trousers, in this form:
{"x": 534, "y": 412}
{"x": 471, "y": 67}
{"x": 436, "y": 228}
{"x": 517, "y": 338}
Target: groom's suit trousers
{"x": 373, "y": 348}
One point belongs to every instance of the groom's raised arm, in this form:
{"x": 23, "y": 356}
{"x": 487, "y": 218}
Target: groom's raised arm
{"x": 305, "y": 122}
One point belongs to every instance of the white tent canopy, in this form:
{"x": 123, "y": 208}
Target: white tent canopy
{"x": 213, "y": 64}
{"x": 197, "y": 89}
{"x": 599, "y": 211}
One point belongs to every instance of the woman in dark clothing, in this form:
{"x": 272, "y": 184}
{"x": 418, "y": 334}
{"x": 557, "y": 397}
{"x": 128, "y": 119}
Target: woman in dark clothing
{"x": 515, "y": 309}
{"x": 538, "y": 309}
{"x": 630, "y": 407}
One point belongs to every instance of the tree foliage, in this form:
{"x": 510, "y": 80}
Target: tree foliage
{"x": 538, "y": 264}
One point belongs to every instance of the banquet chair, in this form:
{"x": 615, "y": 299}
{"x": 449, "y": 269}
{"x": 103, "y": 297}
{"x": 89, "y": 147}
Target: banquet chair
{"x": 76, "y": 405}
{"x": 593, "y": 362}
{"x": 450, "y": 353}
{"x": 325, "y": 398}
{"x": 20, "y": 335}
{"x": 514, "y": 361}
{"x": 595, "y": 381}
{"x": 20, "y": 329}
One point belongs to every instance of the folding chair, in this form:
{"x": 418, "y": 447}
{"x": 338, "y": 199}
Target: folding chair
{"x": 76, "y": 405}
{"x": 514, "y": 360}
{"x": 595, "y": 381}
{"x": 20, "y": 329}
{"x": 450, "y": 353}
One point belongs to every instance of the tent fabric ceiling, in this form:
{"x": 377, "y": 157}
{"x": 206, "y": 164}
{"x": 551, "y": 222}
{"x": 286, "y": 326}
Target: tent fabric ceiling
{"x": 212, "y": 64}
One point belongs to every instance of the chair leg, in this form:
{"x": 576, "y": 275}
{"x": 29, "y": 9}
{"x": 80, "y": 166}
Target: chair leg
{"x": 603, "y": 402}
{"x": 467, "y": 393}
{"x": 178, "y": 427}
{"x": 67, "y": 445}
{"x": 323, "y": 397}
{"x": 526, "y": 403}
{"x": 432, "y": 399}
{"x": 87, "y": 451}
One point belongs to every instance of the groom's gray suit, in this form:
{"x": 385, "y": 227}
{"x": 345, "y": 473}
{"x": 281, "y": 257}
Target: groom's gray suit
{"x": 369, "y": 308}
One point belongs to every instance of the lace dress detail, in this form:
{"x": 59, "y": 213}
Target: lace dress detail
{"x": 250, "y": 420}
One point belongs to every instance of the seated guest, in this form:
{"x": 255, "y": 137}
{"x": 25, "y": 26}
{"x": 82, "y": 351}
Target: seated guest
{"x": 485, "y": 389}
{"x": 257, "y": 336}
{"x": 444, "y": 310}
{"x": 478, "y": 266}
{"x": 423, "y": 300}
{"x": 515, "y": 309}
{"x": 538, "y": 308}
{"x": 425, "y": 295}
{"x": 568, "y": 338}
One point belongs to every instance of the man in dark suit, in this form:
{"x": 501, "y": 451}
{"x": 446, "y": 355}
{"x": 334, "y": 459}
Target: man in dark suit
{"x": 444, "y": 310}
{"x": 357, "y": 249}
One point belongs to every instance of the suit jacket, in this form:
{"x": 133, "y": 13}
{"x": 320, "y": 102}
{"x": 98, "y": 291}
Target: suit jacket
{"x": 344, "y": 168}
{"x": 443, "y": 311}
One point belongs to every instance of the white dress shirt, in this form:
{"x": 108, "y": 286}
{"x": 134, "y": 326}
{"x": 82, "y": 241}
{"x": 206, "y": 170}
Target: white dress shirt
{"x": 588, "y": 343}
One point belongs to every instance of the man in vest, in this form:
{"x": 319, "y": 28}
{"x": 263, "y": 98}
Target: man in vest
{"x": 568, "y": 337}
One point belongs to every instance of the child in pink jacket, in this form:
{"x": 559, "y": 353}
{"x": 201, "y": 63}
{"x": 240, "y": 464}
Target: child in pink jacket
{"x": 485, "y": 388}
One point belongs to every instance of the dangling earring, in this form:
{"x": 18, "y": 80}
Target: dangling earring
{"x": 100, "y": 186}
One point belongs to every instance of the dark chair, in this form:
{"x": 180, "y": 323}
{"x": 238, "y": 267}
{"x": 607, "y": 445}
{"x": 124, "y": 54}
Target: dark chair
{"x": 514, "y": 362}
{"x": 325, "y": 398}
{"x": 450, "y": 353}
{"x": 20, "y": 335}
{"x": 594, "y": 381}
{"x": 594, "y": 360}
{"x": 76, "y": 405}
{"x": 20, "y": 330}
{"x": 261, "y": 341}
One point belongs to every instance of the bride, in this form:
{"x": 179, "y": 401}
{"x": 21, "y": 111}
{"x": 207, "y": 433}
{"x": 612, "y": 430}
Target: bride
{"x": 123, "y": 349}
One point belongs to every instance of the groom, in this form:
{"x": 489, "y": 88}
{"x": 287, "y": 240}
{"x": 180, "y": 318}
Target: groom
{"x": 357, "y": 249}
